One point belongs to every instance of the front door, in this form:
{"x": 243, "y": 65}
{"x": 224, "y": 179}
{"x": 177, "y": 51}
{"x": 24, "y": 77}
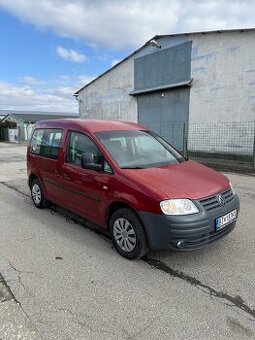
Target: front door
{"x": 85, "y": 188}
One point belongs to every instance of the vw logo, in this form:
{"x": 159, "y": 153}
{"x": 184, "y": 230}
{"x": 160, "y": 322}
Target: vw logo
{"x": 221, "y": 200}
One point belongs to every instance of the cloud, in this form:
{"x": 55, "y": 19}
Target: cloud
{"x": 55, "y": 94}
{"x": 24, "y": 98}
{"x": 29, "y": 80}
{"x": 128, "y": 24}
{"x": 70, "y": 55}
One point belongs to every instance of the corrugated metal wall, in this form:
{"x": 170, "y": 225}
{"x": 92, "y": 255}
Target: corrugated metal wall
{"x": 166, "y": 111}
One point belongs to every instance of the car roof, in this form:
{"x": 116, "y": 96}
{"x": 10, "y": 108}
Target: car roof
{"x": 89, "y": 125}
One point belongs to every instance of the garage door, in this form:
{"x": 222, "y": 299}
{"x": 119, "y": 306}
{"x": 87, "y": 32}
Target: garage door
{"x": 162, "y": 88}
{"x": 166, "y": 113}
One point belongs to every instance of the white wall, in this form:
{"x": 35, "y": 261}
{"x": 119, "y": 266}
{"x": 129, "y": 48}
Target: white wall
{"x": 222, "y": 98}
{"x": 223, "y": 68}
{"x": 108, "y": 97}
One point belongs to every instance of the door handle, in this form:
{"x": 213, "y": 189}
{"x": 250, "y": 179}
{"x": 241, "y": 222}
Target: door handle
{"x": 57, "y": 173}
{"x": 66, "y": 176}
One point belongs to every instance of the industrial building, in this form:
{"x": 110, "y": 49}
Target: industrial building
{"x": 197, "y": 90}
{"x": 25, "y": 120}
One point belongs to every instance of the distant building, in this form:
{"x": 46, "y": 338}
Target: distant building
{"x": 196, "y": 88}
{"x": 26, "y": 119}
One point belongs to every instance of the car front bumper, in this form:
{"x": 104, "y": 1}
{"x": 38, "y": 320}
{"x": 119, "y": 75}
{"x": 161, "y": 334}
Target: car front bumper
{"x": 187, "y": 232}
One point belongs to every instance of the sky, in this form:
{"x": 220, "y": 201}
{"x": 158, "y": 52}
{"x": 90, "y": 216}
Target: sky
{"x": 51, "y": 48}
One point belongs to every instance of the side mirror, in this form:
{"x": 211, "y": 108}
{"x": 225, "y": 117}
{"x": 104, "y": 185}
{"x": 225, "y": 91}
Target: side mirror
{"x": 87, "y": 162}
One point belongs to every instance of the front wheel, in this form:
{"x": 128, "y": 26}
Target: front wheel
{"x": 37, "y": 195}
{"x": 128, "y": 234}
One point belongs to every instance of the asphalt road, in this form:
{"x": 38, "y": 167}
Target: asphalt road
{"x": 60, "y": 280}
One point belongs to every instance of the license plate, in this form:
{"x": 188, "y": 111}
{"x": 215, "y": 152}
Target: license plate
{"x": 223, "y": 221}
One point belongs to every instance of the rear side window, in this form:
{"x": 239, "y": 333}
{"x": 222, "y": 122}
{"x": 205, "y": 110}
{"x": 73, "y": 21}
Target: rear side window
{"x": 36, "y": 141}
{"x": 51, "y": 142}
{"x": 46, "y": 142}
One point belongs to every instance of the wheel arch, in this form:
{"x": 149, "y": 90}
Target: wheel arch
{"x": 114, "y": 206}
{"x": 142, "y": 245}
{"x": 31, "y": 178}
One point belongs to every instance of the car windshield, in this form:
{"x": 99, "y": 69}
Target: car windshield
{"x": 134, "y": 149}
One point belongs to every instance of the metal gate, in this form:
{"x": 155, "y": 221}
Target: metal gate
{"x": 167, "y": 114}
{"x": 162, "y": 87}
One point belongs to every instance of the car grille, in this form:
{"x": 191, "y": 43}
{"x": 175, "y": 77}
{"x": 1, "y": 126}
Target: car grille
{"x": 202, "y": 240}
{"x": 211, "y": 203}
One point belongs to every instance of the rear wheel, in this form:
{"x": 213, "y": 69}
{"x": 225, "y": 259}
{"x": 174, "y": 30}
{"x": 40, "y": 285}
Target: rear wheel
{"x": 37, "y": 195}
{"x": 128, "y": 234}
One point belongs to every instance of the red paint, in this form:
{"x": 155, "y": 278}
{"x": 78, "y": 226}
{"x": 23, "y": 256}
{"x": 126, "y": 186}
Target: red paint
{"x": 140, "y": 189}
{"x": 184, "y": 180}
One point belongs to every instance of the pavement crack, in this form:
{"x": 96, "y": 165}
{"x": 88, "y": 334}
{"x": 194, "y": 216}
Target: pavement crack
{"x": 232, "y": 301}
{"x": 22, "y": 271}
{"x": 13, "y": 188}
{"x": 80, "y": 319}
{"x": 6, "y": 293}
{"x": 20, "y": 282}
{"x": 12, "y": 296}
{"x": 148, "y": 325}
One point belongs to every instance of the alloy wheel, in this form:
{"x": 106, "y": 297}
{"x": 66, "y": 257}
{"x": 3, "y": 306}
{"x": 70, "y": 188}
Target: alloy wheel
{"x": 124, "y": 234}
{"x": 36, "y": 194}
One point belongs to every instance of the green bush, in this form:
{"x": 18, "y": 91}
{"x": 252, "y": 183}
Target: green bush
{"x": 10, "y": 124}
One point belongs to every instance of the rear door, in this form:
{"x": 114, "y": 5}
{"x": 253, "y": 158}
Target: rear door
{"x": 86, "y": 189}
{"x": 45, "y": 158}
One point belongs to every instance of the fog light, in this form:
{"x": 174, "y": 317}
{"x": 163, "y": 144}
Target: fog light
{"x": 180, "y": 244}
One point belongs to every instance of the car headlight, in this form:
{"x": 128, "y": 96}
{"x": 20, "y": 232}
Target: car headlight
{"x": 231, "y": 186}
{"x": 178, "y": 207}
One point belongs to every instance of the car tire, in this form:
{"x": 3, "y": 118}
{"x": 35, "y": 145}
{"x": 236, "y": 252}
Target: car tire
{"x": 128, "y": 234}
{"x": 37, "y": 195}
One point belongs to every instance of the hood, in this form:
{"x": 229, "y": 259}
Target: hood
{"x": 183, "y": 180}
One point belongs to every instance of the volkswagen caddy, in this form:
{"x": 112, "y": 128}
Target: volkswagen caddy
{"x": 130, "y": 182}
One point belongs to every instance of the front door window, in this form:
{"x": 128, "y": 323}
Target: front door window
{"x": 78, "y": 144}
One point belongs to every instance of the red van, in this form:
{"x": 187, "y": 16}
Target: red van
{"x": 131, "y": 182}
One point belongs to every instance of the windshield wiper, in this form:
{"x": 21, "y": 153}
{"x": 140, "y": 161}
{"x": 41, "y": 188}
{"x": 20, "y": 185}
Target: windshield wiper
{"x": 182, "y": 159}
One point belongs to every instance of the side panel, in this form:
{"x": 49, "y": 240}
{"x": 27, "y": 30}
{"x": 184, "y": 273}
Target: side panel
{"x": 164, "y": 67}
{"x": 84, "y": 191}
{"x": 49, "y": 174}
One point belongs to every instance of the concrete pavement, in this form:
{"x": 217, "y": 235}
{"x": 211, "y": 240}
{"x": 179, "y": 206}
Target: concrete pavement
{"x": 64, "y": 281}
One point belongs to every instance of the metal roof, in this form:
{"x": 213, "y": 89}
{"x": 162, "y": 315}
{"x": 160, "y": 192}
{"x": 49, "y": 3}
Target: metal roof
{"x": 34, "y": 116}
{"x": 241, "y": 30}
